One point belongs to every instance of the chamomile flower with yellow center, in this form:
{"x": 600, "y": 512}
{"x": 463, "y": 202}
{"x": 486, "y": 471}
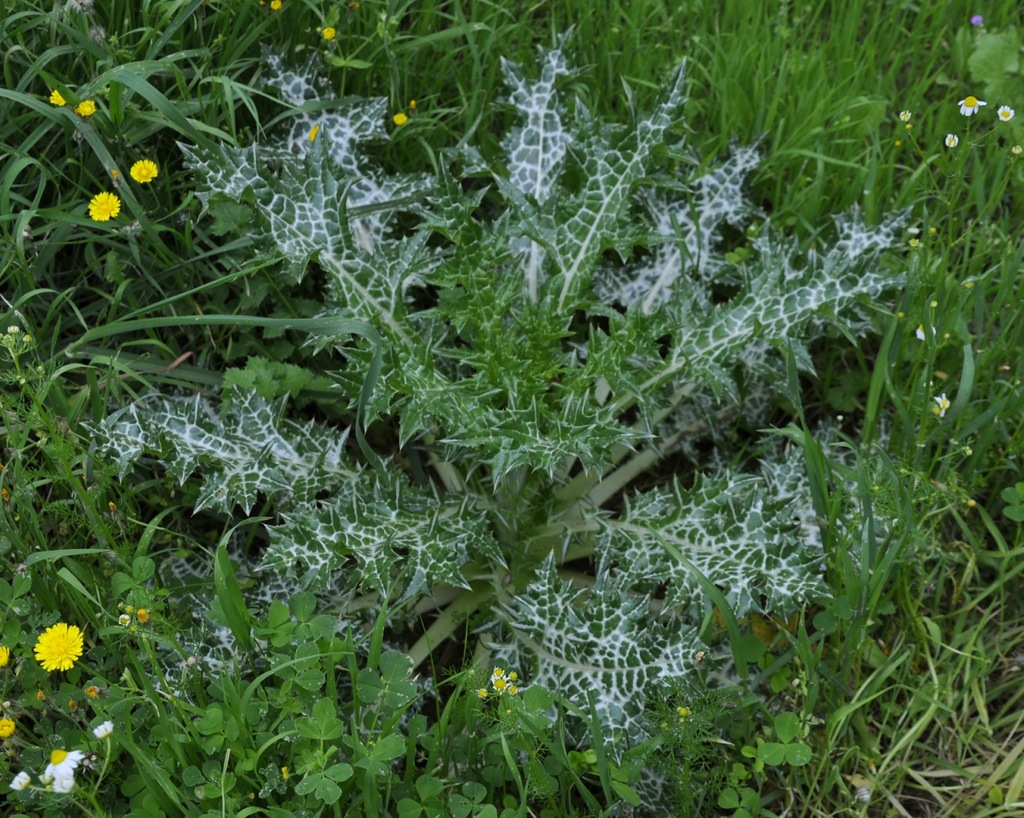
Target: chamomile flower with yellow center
{"x": 104, "y": 730}
{"x": 1005, "y": 113}
{"x": 952, "y": 140}
{"x": 942, "y": 404}
{"x": 970, "y": 105}
{"x": 61, "y": 769}
{"x": 905, "y": 116}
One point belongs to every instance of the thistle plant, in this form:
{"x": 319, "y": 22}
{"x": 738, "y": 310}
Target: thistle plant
{"x": 519, "y": 343}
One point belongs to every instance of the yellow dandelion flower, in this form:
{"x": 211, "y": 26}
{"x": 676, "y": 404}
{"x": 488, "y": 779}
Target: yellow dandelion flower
{"x": 142, "y": 615}
{"x": 57, "y": 99}
{"x": 329, "y": 33}
{"x": 482, "y": 692}
{"x": 85, "y": 108}
{"x": 400, "y": 119}
{"x": 92, "y": 692}
{"x": 59, "y": 647}
{"x": 6, "y": 728}
{"x": 5, "y": 655}
{"x": 144, "y": 171}
{"x": 104, "y": 206}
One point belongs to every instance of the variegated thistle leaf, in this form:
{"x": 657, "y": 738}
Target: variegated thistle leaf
{"x": 736, "y": 531}
{"x": 247, "y": 449}
{"x": 600, "y": 643}
{"x": 574, "y": 229}
{"x": 396, "y": 539}
{"x": 784, "y": 303}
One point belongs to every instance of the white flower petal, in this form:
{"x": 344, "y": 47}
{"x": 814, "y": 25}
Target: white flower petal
{"x": 21, "y": 780}
{"x": 64, "y": 783}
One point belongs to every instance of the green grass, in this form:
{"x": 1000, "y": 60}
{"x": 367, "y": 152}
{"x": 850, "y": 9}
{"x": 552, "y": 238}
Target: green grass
{"x": 910, "y": 678}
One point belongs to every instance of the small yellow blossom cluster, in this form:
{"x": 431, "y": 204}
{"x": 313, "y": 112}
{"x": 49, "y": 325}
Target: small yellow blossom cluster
{"x": 132, "y": 617}
{"x": 85, "y": 108}
{"x": 682, "y": 714}
{"x": 502, "y": 682}
{"x": 401, "y": 117}
{"x": 105, "y": 206}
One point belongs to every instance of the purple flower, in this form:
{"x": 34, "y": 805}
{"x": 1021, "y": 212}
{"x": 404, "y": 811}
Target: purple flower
{"x": 977, "y": 20}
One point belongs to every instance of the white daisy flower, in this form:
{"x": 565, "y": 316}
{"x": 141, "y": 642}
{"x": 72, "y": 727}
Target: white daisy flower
{"x": 1016, "y": 150}
{"x": 942, "y": 404}
{"x": 920, "y": 332}
{"x": 1005, "y": 113}
{"x": 952, "y": 140}
{"x": 905, "y": 116}
{"x": 970, "y": 105}
{"x": 103, "y": 730}
{"x": 63, "y": 764}
{"x": 21, "y": 780}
